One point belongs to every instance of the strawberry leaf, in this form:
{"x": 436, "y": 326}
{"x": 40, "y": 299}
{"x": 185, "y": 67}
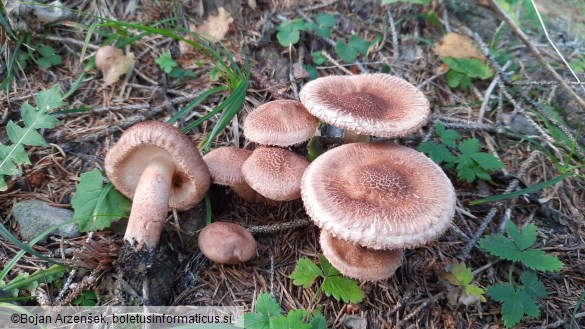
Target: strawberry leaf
{"x": 305, "y": 273}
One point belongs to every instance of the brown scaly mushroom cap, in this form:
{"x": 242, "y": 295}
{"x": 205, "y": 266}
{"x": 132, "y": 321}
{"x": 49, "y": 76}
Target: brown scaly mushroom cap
{"x": 158, "y": 167}
{"x": 275, "y": 173}
{"x": 227, "y": 243}
{"x": 370, "y": 104}
{"x": 359, "y": 262}
{"x": 280, "y": 123}
{"x": 378, "y": 195}
{"x": 225, "y": 166}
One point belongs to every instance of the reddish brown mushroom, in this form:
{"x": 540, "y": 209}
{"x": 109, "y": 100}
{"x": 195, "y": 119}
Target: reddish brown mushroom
{"x": 227, "y": 243}
{"x": 378, "y": 195}
{"x": 359, "y": 262}
{"x": 225, "y": 166}
{"x": 369, "y": 104}
{"x": 280, "y": 123}
{"x": 275, "y": 173}
{"x": 158, "y": 167}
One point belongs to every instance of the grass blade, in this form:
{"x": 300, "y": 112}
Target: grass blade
{"x": 196, "y": 102}
{"x": 531, "y": 189}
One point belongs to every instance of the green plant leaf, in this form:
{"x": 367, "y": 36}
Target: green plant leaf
{"x": 318, "y": 57}
{"x": 501, "y": 247}
{"x": 454, "y": 78}
{"x": 97, "y": 206}
{"x": 475, "y": 291}
{"x": 12, "y": 155}
{"x": 524, "y": 239}
{"x": 462, "y": 274}
{"x": 323, "y": 24}
{"x": 439, "y": 153}
{"x": 358, "y": 43}
{"x": 515, "y": 303}
{"x": 347, "y": 53}
{"x": 487, "y": 161}
{"x": 339, "y": 287}
{"x": 448, "y": 137}
{"x": 288, "y": 32}
{"x": 469, "y": 146}
{"x": 305, "y": 273}
{"x": 314, "y": 149}
{"x": 532, "y": 285}
{"x": 166, "y": 62}
{"x": 537, "y": 259}
{"x": 318, "y": 322}
{"x": 470, "y": 67}
{"x": 268, "y": 306}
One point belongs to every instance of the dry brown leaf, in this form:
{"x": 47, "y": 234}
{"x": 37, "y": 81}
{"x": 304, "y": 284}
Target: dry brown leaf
{"x": 457, "y": 46}
{"x": 216, "y": 26}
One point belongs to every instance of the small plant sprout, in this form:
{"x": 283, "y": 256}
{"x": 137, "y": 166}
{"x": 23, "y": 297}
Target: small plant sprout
{"x": 459, "y": 282}
{"x": 227, "y": 243}
{"x": 157, "y": 166}
{"x": 268, "y": 314}
{"x": 519, "y": 299}
{"x": 334, "y": 284}
{"x": 112, "y": 62}
{"x": 466, "y": 156}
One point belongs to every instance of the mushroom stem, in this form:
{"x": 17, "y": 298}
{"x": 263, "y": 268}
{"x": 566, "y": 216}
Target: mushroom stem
{"x": 350, "y": 136}
{"x": 150, "y": 204}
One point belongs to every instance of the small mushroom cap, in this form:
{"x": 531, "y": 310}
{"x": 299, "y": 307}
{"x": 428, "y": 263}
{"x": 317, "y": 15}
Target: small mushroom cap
{"x": 145, "y": 141}
{"x": 227, "y": 243}
{"x": 225, "y": 165}
{"x": 280, "y": 123}
{"x": 359, "y": 262}
{"x": 275, "y": 173}
{"x": 378, "y": 195}
{"x": 370, "y": 104}
{"x": 113, "y": 63}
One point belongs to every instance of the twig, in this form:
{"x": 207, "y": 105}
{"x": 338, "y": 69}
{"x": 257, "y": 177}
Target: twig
{"x": 395, "y": 45}
{"x": 553, "y": 45}
{"x": 486, "y": 221}
{"x": 336, "y": 63}
{"x": 506, "y": 80}
{"x": 445, "y": 16}
{"x": 489, "y": 92}
{"x": 536, "y": 53}
{"x": 278, "y": 227}
{"x": 420, "y": 308}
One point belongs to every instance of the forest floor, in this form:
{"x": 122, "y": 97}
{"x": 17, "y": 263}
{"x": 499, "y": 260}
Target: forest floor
{"x": 401, "y": 39}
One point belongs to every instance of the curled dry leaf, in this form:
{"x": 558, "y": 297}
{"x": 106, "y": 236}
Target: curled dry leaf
{"x": 112, "y": 62}
{"x": 214, "y": 28}
{"x": 457, "y": 46}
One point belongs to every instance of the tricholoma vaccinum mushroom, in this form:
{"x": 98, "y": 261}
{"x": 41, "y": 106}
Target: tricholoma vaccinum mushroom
{"x": 157, "y": 166}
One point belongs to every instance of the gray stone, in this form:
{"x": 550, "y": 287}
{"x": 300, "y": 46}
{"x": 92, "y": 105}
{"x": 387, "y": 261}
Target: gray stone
{"x": 35, "y": 216}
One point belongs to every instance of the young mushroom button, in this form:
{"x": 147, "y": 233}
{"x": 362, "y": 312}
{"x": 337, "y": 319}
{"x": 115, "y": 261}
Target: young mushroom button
{"x": 369, "y": 104}
{"x": 158, "y": 167}
{"x": 112, "y": 62}
{"x": 280, "y": 123}
{"x": 378, "y": 195}
{"x": 225, "y": 166}
{"x": 227, "y": 243}
{"x": 275, "y": 173}
{"x": 359, "y": 262}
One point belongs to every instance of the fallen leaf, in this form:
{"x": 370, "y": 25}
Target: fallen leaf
{"x": 216, "y": 26}
{"x": 457, "y": 46}
{"x": 299, "y": 71}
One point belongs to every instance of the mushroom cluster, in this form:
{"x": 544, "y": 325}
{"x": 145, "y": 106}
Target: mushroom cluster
{"x": 372, "y": 200}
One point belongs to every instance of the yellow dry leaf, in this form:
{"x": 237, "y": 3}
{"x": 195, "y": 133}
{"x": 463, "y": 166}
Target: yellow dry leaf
{"x": 216, "y": 26}
{"x": 457, "y": 46}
